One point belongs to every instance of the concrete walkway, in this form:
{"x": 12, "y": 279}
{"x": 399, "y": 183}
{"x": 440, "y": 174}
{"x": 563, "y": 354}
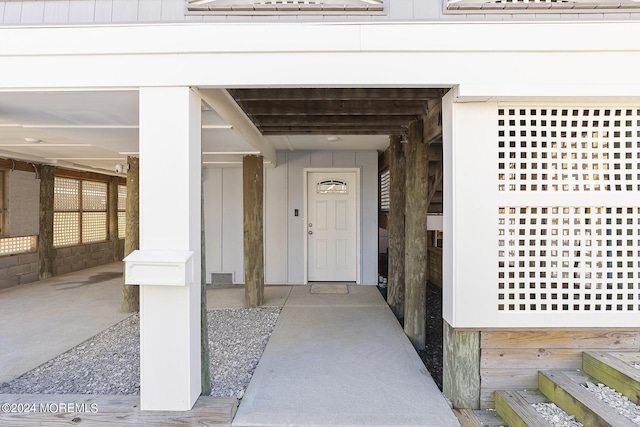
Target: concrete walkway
{"x": 341, "y": 360}
{"x": 338, "y": 359}
{"x": 40, "y": 320}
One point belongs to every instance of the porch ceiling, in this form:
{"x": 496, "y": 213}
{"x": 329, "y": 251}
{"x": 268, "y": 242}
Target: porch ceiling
{"x": 334, "y": 111}
{"x": 94, "y": 130}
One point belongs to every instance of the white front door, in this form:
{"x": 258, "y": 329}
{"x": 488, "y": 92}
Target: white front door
{"x": 331, "y": 226}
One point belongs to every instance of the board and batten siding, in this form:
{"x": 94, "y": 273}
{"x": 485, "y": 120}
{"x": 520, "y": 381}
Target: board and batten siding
{"x": 60, "y": 12}
{"x": 284, "y": 238}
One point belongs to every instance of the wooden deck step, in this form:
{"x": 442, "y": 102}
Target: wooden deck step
{"x": 479, "y": 418}
{"x": 100, "y": 410}
{"x": 514, "y": 406}
{"x": 565, "y": 390}
{"x": 615, "y": 369}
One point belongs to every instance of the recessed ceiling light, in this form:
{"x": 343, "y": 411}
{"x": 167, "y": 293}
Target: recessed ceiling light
{"x": 33, "y": 140}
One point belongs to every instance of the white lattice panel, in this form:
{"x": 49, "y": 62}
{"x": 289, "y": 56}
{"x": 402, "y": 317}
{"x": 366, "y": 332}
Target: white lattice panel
{"x": 568, "y": 221}
{"x": 66, "y": 228}
{"x": 122, "y": 197}
{"x": 94, "y": 226}
{"x": 66, "y": 194}
{"x": 94, "y": 196}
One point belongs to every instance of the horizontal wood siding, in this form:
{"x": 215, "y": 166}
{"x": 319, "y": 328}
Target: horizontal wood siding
{"x": 511, "y": 359}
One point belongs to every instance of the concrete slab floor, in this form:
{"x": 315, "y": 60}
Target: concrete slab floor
{"x": 233, "y": 297}
{"x": 341, "y": 363}
{"x": 43, "y": 319}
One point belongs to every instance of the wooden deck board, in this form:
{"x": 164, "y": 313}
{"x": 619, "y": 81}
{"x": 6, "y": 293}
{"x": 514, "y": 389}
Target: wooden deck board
{"x": 100, "y": 410}
{"x": 517, "y": 411}
{"x": 565, "y": 389}
{"x": 614, "y": 372}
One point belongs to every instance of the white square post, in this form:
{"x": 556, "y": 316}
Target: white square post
{"x": 167, "y": 266}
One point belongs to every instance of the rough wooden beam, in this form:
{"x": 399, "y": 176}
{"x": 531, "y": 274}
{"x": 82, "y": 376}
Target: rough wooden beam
{"x": 45, "y": 240}
{"x": 433, "y": 122}
{"x": 333, "y": 107}
{"x": 17, "y": 165}
{"x": 461, "y": 367}
{"x": 415, "y": 256}
{"x": 91, "y": 176}
{"x": 397, "y": 178}
{"x": 252, "y": 182}
{"x": 334, "y": 130}
{"x": 335, "y": 94}
{"x": 323, "y": 120}
{"x": 205, "y": 361}
{"x": 131, "y": 293}
{"x": 370, "y": 130}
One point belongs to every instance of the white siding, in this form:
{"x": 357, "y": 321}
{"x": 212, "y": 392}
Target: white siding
{"x": 103, "y": 10}
{"x": 296, "y": 161}
{"x": 81, "y": 11}
{"x": 213, "y": 220}
{"x": 277, "y": 215}
{"x": 284, "y": 193}
{"x": 232, "y": 225}
{"x": 126, "y": 11}
{"x": 56, "y": 11}
{"x": 149, "y": 10}
{"x": 32, "y": 12}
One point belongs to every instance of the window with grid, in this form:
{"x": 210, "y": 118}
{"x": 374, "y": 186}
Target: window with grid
{"x": 122, "y": 206}
{"x": 80, "y": 212}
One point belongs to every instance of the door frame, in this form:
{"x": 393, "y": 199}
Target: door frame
{"x": 305, "y": 173}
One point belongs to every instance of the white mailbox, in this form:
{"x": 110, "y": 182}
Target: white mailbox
{"x": 148, "y": 267}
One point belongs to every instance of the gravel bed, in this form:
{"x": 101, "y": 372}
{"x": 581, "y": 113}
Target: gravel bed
{"x": 616, "y": 400}
{"x": 555, "y": 416}
{"x": 109, "y": 363}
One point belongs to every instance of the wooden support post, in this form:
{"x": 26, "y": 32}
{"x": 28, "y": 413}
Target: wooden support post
{"x": 417, "y": 167}
{"x": 112, "y": 207}
{"x": 461, "y": 367}
{"x": 397, "y": 173}
{"x": 131, "y": 293}
{"x": 205, "y": 374}
{"x": 252, "y": 171}
{"x": 45, "y": 239}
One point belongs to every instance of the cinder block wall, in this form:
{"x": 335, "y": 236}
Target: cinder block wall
{"x": 74, "y": 258}
{"x": 18, "y": 269}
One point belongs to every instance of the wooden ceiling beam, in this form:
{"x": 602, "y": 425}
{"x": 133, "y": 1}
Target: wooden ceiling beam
{"x": 336, "y": 94}
{"x": 292, "y": 130}
{"x": 333, "y": 120}
{"x": 342, "y": 108}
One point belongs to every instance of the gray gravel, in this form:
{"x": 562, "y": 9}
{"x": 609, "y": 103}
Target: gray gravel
{"x": 555, "y": 416}
{"x": 109, "y": 363}
{"x": 621, "y": 404}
